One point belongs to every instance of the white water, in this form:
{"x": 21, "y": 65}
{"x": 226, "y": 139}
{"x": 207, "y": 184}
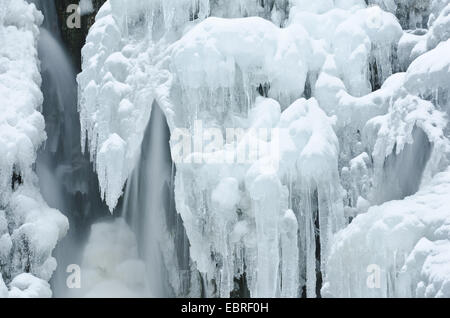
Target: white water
{"x": 149, "y": 206}
{"x": 66, "y": 179}
{"x": 68, "y": 183}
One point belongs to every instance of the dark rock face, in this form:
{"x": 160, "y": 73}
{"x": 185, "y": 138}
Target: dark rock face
{"x": 74, "y": 38}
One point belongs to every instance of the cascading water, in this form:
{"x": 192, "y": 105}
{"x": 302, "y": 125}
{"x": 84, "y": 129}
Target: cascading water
{"x": 66, "y": 179}
{"x": 68, "y": 183}
{"x": 149, "y": 207}
{"x": 403, "y": 172}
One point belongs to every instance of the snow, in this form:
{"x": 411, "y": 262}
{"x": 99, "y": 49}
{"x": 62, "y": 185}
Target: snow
{"x": 429, "y": 260}
{"x": 413, "y": 14}
{"x": 439, "y": 30}
{"x": 429, "y": 72}
{"x": 417, "y": 42}
{"x": 111, "y": 160}
{"x": 27, "y": 286}
{"x": 212, "y": 59}
{"x": 409, "y": 243}
{"x": 22, "y": 125}
{"x": 248, "y": 203}
{"x": 354, "y": 105}
{"x": 210, "y": 53}
{"x": 29, "y": 229}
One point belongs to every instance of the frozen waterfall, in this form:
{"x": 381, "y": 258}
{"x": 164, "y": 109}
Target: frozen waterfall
{"x": 66, "y": 178}
{"x": 225, "y": 148}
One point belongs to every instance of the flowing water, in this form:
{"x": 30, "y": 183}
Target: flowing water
{"x": 66, "y": 177}
{"x": 68, "y": 182}
{"x": 149, "y": 208}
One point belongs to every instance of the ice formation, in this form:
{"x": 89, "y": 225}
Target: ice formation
{"x": 355, "y": 96}
{"x": 408, "y": 239}
{"x": 309, "y": 142}
{"x": 29, "y": 229}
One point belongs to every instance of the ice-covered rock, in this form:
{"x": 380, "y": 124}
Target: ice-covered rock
{"x": 428, "y": 74}
{"x": 418, "y": 41}
{"x": 406, "y": 240}
{"x": 29, "y": 229}
{"x": 217, "y": 64}
{"x": 22, "y": 125}
{"x": 28, "y": 286}
{"x": 416, "y": 14}
{"x": 319, "y": 79}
